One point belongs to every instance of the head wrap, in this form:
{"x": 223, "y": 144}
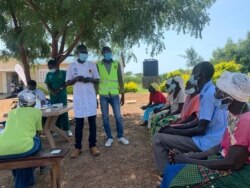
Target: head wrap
{"x": 155, "y": 86}
{"x": 26, "y": 98}
{"x": 237, "y": 85}
{"x": 179, "y": 80}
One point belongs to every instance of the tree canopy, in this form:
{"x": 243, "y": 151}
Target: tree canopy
{"x": 52, "y": 28}
{"x": 238, "y": 52}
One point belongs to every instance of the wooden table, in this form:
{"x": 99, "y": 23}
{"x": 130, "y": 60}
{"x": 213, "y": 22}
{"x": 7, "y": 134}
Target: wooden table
{"x": 52, "y": 115}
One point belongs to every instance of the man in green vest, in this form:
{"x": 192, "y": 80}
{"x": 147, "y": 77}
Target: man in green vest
{"x": 110, "y": 86}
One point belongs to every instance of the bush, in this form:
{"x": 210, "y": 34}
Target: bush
{"x": 70, "y": 90}
{"x": 46, "y": 92}
{"x": 225, "y": 66}
{"x": 130, "y": 87}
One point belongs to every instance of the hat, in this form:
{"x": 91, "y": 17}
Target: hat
{"x": 26, "y": 98}
{"x": 155, "y": 86}
{"x": 235, "y": 84}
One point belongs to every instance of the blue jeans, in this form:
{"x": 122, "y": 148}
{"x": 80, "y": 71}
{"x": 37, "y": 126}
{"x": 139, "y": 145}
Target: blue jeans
{"x": 24, "y": 177}
{"x": 114, "y": 101}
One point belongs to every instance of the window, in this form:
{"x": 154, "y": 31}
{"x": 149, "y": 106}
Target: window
{"x": 41, "y": 75}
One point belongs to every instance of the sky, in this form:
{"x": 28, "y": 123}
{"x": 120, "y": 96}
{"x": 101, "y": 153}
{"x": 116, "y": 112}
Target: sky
{"x": 229, "y": 19}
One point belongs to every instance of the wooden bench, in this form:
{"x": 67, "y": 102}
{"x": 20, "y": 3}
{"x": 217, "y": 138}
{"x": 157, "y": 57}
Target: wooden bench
{"x": 41, "y": 158}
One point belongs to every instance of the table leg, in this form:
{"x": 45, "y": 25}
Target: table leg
{"x": 47, "y": 128}
{"x": 61, "y": 132}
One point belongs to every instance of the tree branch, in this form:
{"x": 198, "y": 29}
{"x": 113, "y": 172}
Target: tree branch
{"x": 72, "y": 45}
{"x": 63, "y": 40}
{"x": 36, "y": 9}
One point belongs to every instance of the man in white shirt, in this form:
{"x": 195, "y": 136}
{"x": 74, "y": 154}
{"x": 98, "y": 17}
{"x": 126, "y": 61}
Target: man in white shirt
{"x": 83, "y": 75}
{"x": 32, "y": 86}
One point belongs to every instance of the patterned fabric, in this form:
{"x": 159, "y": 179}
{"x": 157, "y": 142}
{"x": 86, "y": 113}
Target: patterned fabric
{"x": 197, "y": 176}
{"x": 161, "y": 119}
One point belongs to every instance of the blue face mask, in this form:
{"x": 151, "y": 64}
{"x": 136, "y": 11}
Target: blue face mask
{"x": 83, "y": 56}
{"x": 108, "y": 56}
{"x": 220, "y": 105}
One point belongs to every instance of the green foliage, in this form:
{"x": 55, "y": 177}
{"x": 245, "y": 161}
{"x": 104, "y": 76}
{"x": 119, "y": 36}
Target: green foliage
{"x": 41, "y": 27}
{"x": 130, "y": 87}
{"x": 225, "y": 66}
{"x": 70, "y": 90}
{"x": 171, "y": 74}
{"x": 46, "y": 92}
{"x": 192, "y": 57}
{"x": 239, "y": 52}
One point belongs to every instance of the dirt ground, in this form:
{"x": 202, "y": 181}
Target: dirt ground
{"x": 121, "y": 166}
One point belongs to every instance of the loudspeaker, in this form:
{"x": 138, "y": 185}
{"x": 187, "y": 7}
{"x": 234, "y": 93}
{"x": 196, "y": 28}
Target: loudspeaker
{"x": 150, "y": 67}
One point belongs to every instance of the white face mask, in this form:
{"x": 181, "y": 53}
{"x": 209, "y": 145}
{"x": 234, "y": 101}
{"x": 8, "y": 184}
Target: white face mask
{"x": 171, "y": 88}
{"x": 52, "y": 70}
{"x": 190, "y": 91}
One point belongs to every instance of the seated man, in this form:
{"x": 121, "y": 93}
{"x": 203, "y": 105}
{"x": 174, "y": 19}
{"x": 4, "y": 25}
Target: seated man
{"x": 189, "y": 113}
{"x": 32, "y": 86}
{"x": 22, "y": 124}
{"x": 194, "y": 137}
{"x": 172, "y": 109}
{"x": 229, "y": 165}
{"x": 156, "y": 100}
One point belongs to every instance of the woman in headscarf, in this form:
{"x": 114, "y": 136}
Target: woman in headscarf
{"x": 156, "y": 100}
{"x": 172, "y": 109}
{"x": 189, "y": 113}
{"x": 229, "y": 165}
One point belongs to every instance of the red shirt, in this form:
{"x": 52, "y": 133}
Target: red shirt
{"x": 157, "y": 98}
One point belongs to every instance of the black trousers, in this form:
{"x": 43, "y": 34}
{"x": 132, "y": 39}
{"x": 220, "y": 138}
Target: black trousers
{"x": 79, "y": 132}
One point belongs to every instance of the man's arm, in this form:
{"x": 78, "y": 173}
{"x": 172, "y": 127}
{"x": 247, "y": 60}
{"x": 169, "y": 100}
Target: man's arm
{"x": 193, "y": 131}
{"x": 121, "y": 84}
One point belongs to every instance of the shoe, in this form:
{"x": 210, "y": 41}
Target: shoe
{"x": 94, "y": 151}
{"x": 109, "y": 142}
{"x": 123, "y": 140}
{"x": 69, "y": 133}
{"x": 76, "y": 153}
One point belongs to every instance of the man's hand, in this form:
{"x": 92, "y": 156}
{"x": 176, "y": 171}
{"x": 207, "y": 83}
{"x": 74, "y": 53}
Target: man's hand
{"x": 122, "y": 99}
{"x": 176, "y": 156}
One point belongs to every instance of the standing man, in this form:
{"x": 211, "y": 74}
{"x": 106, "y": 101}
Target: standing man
{"x": 83, "y": 75}
{"x": 55, "y": 80}
{"x": 193, "y": 137}
{"x": 111, "y": 84}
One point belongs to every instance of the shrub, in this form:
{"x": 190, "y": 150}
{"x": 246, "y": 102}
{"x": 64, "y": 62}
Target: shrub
{"x": 46, "y": 92}
{"x": 70, "y": 90}
{"x": 130, "y": 87}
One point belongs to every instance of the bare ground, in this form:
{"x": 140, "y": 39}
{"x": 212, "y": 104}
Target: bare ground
{"x": 121, "y": 166}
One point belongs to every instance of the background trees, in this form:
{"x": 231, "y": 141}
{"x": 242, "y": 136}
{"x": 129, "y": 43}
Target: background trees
{"x": 52, "y": 28}
{"x": 238, "y": 52}
{"x": 192, "y": 57}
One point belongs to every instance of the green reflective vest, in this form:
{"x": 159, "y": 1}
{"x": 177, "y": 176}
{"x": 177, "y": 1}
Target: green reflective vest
{"x": 108, "y": 81}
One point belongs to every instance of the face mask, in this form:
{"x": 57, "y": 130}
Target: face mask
{"x": 194, "y": 81}
{"x": 220, "y": 105}
{"x": 171, "y": 88}
{"x": 108, "y": 56}
{"x": 83, "y": 57}
{"x": 52, "y": 70}
{"x": 190, "y": 91}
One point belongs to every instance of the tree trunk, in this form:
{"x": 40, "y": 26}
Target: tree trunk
{"x": 25, "y": 62}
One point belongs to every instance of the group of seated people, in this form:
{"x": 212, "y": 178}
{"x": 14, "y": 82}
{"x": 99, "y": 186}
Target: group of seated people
{"x": 204, "y": 141}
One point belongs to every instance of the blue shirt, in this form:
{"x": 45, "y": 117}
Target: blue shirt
{"x": 218, "y": 119}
